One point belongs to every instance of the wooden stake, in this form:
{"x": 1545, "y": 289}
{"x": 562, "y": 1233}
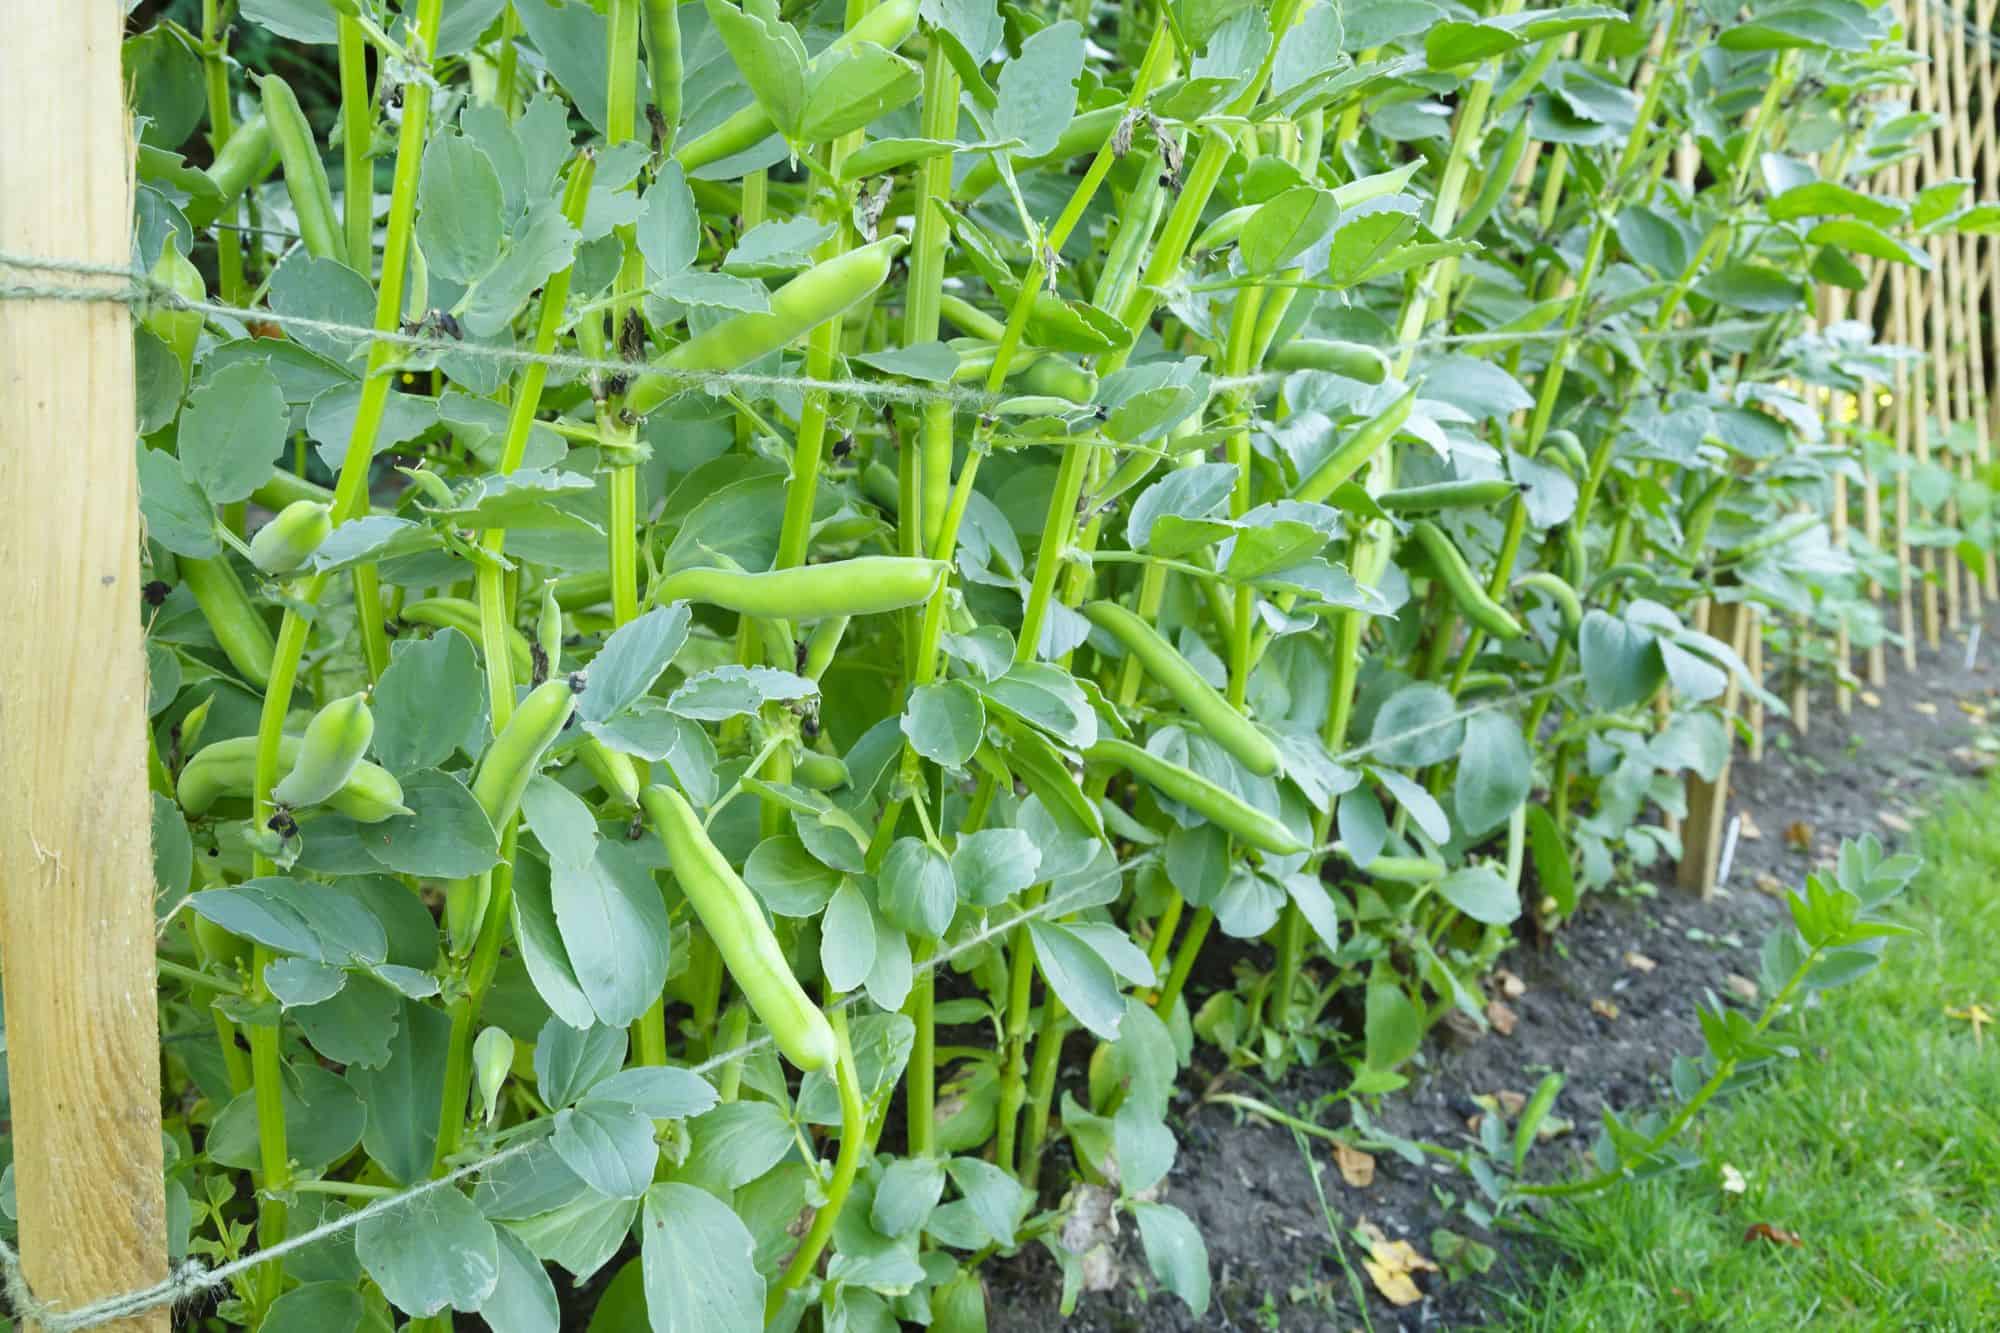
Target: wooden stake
{"x": 1753, "y": 663}
{"x": 76, "y": 873}
{"x": 1708, "y": 802}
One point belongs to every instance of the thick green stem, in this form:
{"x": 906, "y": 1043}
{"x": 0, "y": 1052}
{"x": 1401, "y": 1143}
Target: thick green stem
{"x": 221, "y": 125}
{"x": 1013, "y": 1075}
{"x": 853, "y": 1135}
{"x": 920, "y": 1082}
{"x": 1042, "y": 1090}
{"x": 357, "y": 130}
{"x": 1191, "y": 943}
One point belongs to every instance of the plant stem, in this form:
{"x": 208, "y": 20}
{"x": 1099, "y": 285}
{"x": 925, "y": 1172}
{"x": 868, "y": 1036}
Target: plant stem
{"x": 853, "y": 1133}
{"x": 1191, "y": 943}
{"x": 221, "y": 124}
{"x": 357, "y": 130}
{"x": 1041, "y": 1089}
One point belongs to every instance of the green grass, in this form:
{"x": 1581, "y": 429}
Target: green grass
{"x": 1879, "y": 1148}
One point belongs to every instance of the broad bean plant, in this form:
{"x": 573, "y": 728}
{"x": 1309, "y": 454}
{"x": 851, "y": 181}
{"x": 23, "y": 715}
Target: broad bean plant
{"x": 761, "y": 613}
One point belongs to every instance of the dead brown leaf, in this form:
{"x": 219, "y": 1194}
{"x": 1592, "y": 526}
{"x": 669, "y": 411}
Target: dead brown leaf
{"x": 1511, "y": 1102}
{"x": 1510, "y": 985}
{"x": 1872, "y": 699}
{"x": 1798, "y": 835}
{"x": 1605, "y": 1009}
{"x": 1927, "y": 708}
{"x": 1501, "y": 1017}
{"x": 1893, "y": 821}
{"x": 1638, "y": 962}
{"x": 1764, "y": 1231}
{"x": 1741, "y": 987}
{"x": 1357, "y": 1168}
{"x": 1393, "y": 1265}
{"x": 1767, "y": 882}
{"x": 1749, "y": 831}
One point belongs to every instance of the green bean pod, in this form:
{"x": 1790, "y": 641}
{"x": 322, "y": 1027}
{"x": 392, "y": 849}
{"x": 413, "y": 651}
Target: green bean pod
{"x": 1473, "y": 601}
{"x": 1559, "y": 592}
{"x": 462, "y": 615}
{"x": 1777, "y": 535}
{"x": 1447, "y": 495}
{"x": 290, "y": 538}
{"x": 1565, "y": 446}
{"x": 245, "y": 159}
{"x": 663, "y": 63}
{"x": 1404, "y": 870}
{"x": 1203, "y": 702}
{"x": 887, "y": 25}
{"x": 245, "y": 638}
{"x": 178, "y": 329}
{"x": 864, "y": 585}
{"x": 1359, "y": 447}
{"x": 305, "y": 173}
{"x": 228, "y": 770}
{"x": 549, "y": 631}
{"x": 736, "y": 923}
{"x": 798, "y": 307}
{"x": 1057, "y": 377}
{"x": 516, "y": 753}
{"x": 820, "y": 772}
{"x": 1085, "y": 133}
{"x": 1041, "y": 768}
{"x": 335, "y": 742}
{"x": 615, "y": 772}
{"x": 1223, "y": 808}
{"x": 1357, "y": 361}
{"x": 822, "y": 645}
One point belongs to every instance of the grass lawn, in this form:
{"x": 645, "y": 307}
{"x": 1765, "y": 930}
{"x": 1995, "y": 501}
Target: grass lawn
{"x": 1879, "y": 1150}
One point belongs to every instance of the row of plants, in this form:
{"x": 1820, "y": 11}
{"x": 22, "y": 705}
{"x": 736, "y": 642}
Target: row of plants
{"x": 743, "y": 596}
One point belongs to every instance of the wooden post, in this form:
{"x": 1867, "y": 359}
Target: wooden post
{"x": 1753, "y": 663}
{"x": 76, "y": 873}
{"x": 1708, "y": 802}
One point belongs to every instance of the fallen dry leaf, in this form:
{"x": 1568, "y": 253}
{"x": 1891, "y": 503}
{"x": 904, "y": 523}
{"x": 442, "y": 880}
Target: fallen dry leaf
{"x": 1741, "y": 987}
{"x": 1748, "y": 830}
{"x": 1977, "y": 712}
{"x": 1638, "y": 962}
{"x": 1775, "y": 1235}
{"x": 1976, "y": 1014}
{"x": 1511, "y": 1102}
{"x": 1767, "y": 882}
{"x": 1510, "y": 985}
{"x": 1393, "y": 1264}
{"x": 1604, "y": 1009}
{"x": 1357, "y": 1168}
{"x": 1732, "y": 1180}
{"x": 1501, "y": 1017}
{"x": 1927, "y": 709}
{"x": 1893, "y": 821}
{"x": 1798, "y": 834}
{"x": 1872, "y": 699}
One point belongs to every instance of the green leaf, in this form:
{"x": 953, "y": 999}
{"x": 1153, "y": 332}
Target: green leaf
{"x": 1174, "y": 1251}
{"x": 700, "y": 1276}
{"x": 914, "y": 888}
{"x": 931, "y": 362}
{"x": 1495, "y": 771}
{"x": 1079, "y": 977}
{"x": 1832, "y": 199}
{"x": 317, "y": 1305}
{"x": 1480, "y": 893}
{"x": 772, "y": 59}
{"x": 1392, "y": 1026}
{"x": 669, "y": 229}
{"x": 1621, "y": 662}
{"x": 446, "y": 836}
{"x": 431, "y": 1253}
{"x": 615, "y": 929}
{"x": 1185, "y": 493}
{"x": 403, "y": 1095}
{"x": 847, "y": 941}
{"x": 323, "y": 1121}
{"x": 1045, "y": 696}
{"x": 1816, "y": 25}
{"x": 610, "y": 1147}
{"x": 631, "y": 660}
{"x": 849, "y": 87}
{"x": 996, "y": 1200}
{"x": 731, "y": 691}
{"x": 1417, "y": 726}
{"x": 539, "y": 246}
{"x": 1552, "y": 870}
{"x": 1865, "y": 238}
{"x": 523, "y": 1299}
{"x": 232, "y": 431}
{"x": 569, "y": 1061}
{"x": 1038, "y": 89}
{"x": 178, "y": 516}
{"x": 540, "y": 939}
{"x": 992, "y": 865}
{"x": 789, "y": 879}
{"x": 945, "y": 722}
{"x": 426, "y": 702}
{"x": 1285, "y": 226}
{"x": 909, "y": 1189}
{"x": 560, "y": 821}
{"x": 737, "y": 1142}
{"x": 459, "y": 217}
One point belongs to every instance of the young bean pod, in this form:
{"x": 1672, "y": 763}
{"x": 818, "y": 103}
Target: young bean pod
{"x": 1557, "y": 591}
{"x": 1447, "y": 495}
{"x": 245, "y": 638}
{"x": 1356, "y": 361}
{"x": 227, "y": 770}
{"x": 1203, "y": 702}
{"x": 1223, "y": 808}
{"x": 305, "y": 173}
{"x": 1355, "y": 452}
{"x": 288, "y": 540}
{"x": 865, "y": 585}
{"x": 736, "y": 923}
{"x": 335, "y": 741}
{"x": 516, "y": 753}
{"x": 1473, "y": 601}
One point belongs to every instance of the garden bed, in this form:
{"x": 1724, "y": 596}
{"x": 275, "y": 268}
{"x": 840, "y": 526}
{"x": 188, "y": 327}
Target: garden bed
{"x": 1590, "y": 1008}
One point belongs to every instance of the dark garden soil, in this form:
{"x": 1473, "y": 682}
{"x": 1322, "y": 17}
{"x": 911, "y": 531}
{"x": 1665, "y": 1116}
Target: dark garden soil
{"x": 1589, "y": 1007}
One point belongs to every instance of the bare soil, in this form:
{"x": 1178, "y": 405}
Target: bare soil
{"x": 1246, "y": 1183}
